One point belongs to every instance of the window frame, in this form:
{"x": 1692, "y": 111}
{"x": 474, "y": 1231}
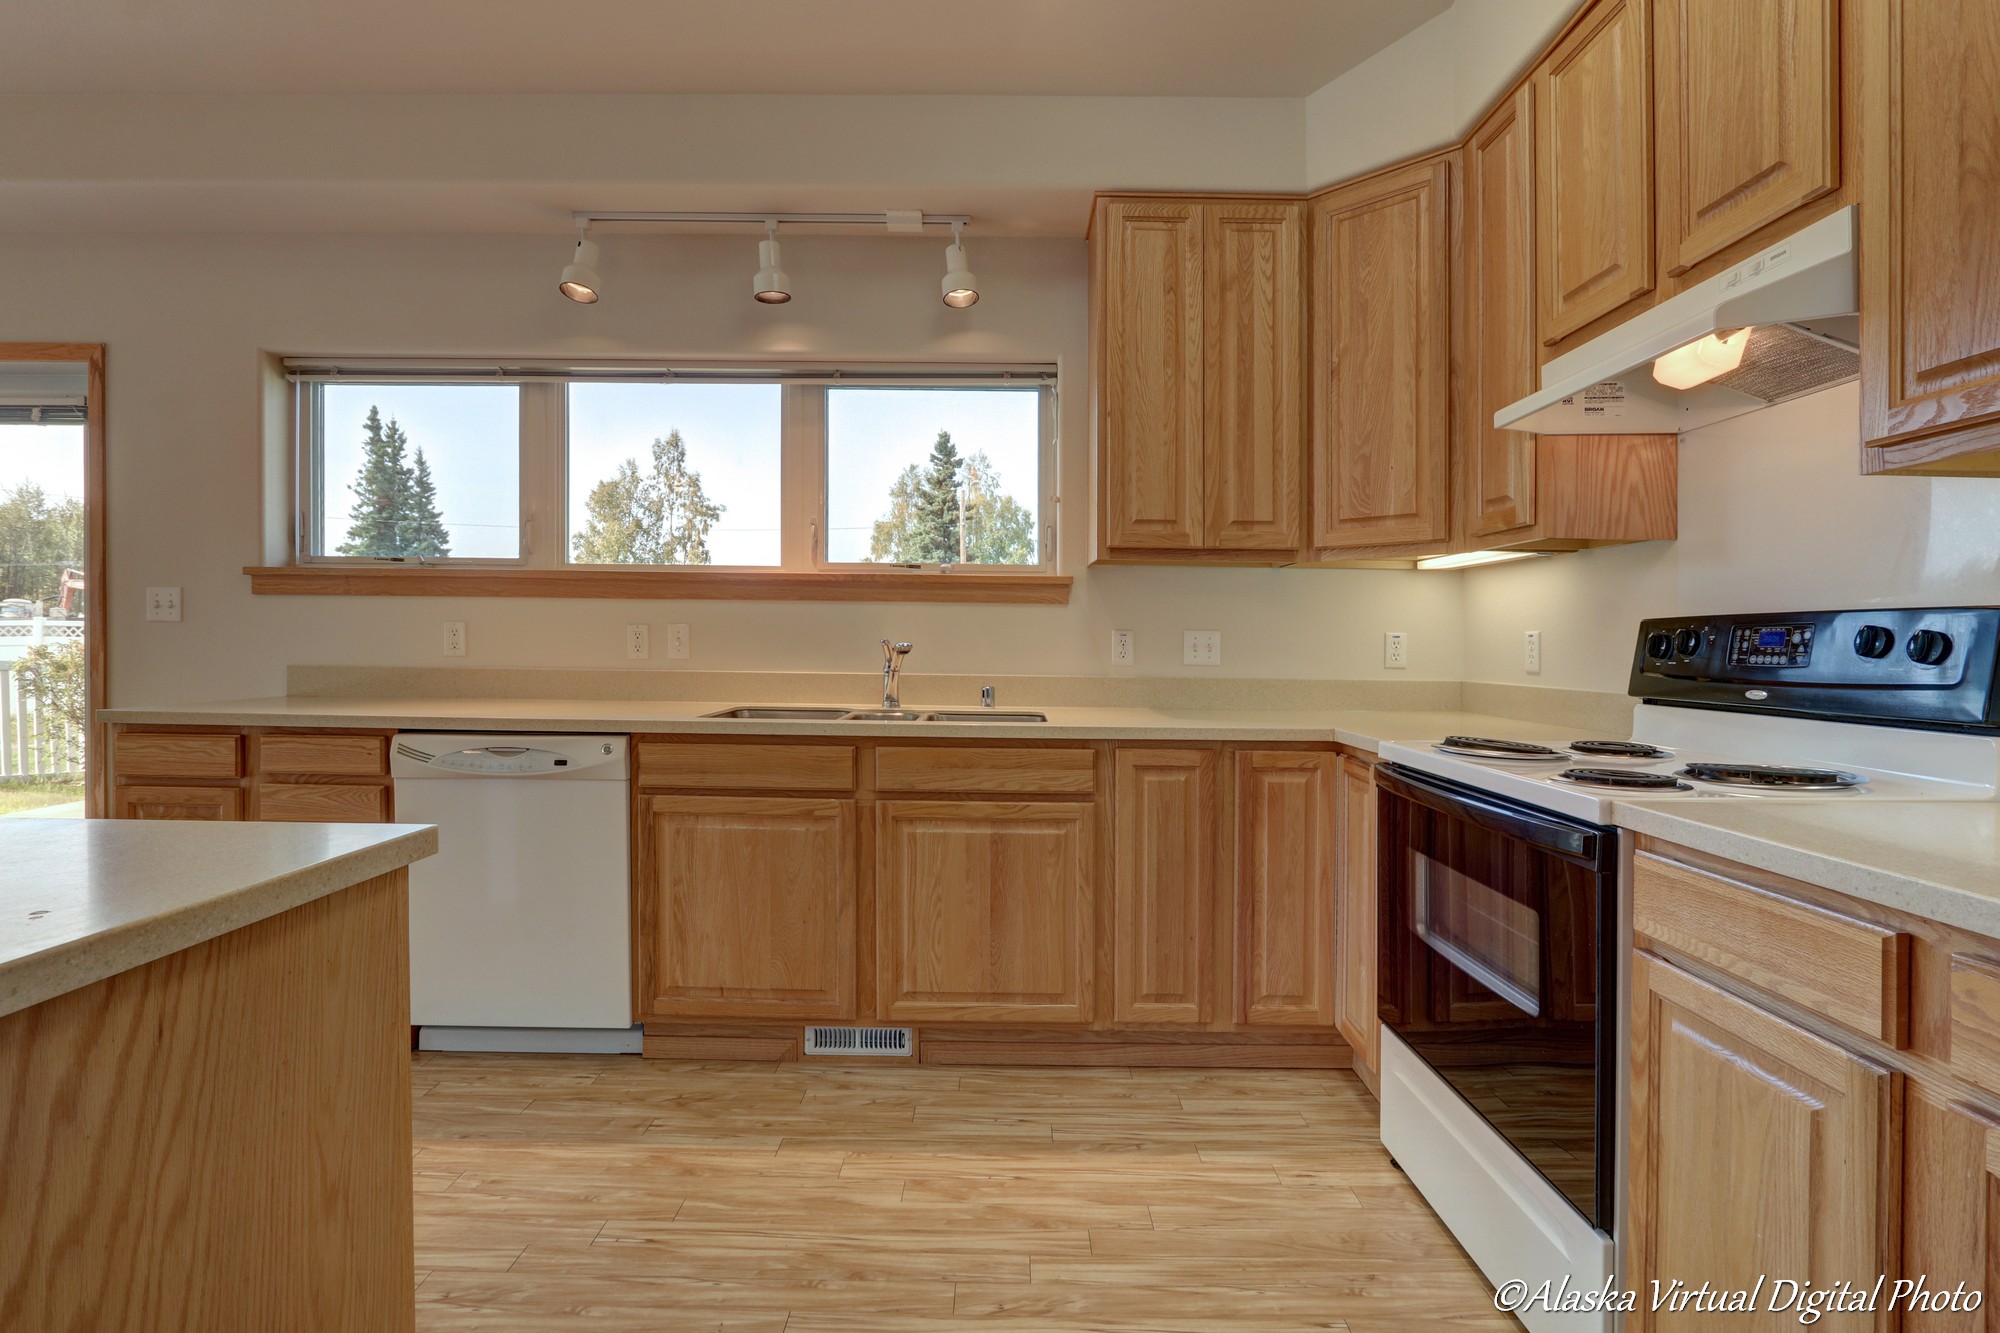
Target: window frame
{"x": 544, "y": 499}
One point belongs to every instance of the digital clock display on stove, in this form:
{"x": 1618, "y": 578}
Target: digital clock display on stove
{"x": 1771, "y": 645}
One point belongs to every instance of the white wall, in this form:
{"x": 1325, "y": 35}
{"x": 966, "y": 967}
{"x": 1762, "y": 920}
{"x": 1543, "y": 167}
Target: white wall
{"x": 1426, "y": 89}
{"x": 186, "y": 319}
{"x": 1774, "y": 516}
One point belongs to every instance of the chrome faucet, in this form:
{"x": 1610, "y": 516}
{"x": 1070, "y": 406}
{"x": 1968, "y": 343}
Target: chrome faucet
{"x": 892, "y": 670}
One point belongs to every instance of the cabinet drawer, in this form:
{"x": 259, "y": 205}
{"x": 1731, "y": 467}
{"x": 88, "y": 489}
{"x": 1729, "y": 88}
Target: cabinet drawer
{"x": 999, "y": 769}
{"x": 322, "y": 802}
{"x": 1851, "y": 971}
{"x": 1975, "y": 1020}
{"x": 178, "y": 754}
{"x": 747, "y": 767}
{"x": 331, "y": 756}
{"x": 181, "y": 802}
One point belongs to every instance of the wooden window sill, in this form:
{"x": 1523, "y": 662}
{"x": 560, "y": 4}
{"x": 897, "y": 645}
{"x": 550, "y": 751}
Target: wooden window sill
{"x": 664, "y": 584}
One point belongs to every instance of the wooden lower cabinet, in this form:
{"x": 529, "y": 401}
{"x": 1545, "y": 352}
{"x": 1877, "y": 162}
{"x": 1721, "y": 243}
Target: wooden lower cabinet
{"x": 1286, "y": 836}
{"x": 984, "y": 910}
{"x": 1758, "y": 1149}
{"x": 748, "y": 907}
{"x": 177, "y": 802}
{"x": 1355, "y": 1010}
{"x": 1163, "y": 886}
{"x": 1951, "y": 1207}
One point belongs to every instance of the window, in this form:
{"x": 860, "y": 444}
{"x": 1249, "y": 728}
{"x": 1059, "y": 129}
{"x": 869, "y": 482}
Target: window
{"x": 789, "y": 470}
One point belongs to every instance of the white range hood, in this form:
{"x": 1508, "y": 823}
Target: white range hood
{"x": 1798, "y": 297}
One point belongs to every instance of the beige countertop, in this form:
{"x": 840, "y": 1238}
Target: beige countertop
{"x": 1363, "y": 729}
{"x": 1934, "y": 859}
{"x": 82, "y": 900}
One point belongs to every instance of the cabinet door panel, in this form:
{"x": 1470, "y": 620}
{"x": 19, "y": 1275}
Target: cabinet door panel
{"x": 1254, "y": 376}
{"x": 750, "y": 910}
{"x": 1499, "y": 317}
{"x": 211, "y": 803}
{"x": 984, "y": 910}
{"x": 1594, "y": 169}
{"x": 1164, "y": 886}
{"x": 1285, "y": 846}
{"x": 1749, "y": 117}
{"x": 1354, "y": 1008}
{"x": 1951, "y": 1207}
{"x": 1757, "y": 1149}
{"x": 1930, "y": 326}
{"x": 1149, "y": 374}
{"x": 1382, "y": 360}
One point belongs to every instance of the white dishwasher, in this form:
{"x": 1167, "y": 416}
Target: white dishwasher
{"x": 520, "y": 926}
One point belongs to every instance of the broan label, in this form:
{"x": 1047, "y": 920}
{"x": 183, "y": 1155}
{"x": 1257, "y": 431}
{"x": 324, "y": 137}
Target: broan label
{"x": 1606, "y": 399}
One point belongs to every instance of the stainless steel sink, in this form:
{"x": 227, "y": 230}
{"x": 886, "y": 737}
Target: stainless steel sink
{"x": 784, "y": 714}
{"x": 985, "y": 715}
{"x": 884, "y": 715}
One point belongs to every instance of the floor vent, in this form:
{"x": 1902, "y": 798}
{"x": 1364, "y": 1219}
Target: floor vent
{"x": 858, "y": 1041}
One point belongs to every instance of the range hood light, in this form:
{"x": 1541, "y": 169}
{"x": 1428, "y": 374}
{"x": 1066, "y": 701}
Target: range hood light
{"x": 1468, "y": 559}
{"x": 1702, "y": 360}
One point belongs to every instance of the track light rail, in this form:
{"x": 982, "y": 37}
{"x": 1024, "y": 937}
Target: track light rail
{"x": 583, "y": 219}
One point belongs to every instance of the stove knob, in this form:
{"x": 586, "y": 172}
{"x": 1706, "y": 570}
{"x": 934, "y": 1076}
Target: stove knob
{"x": 1874, "y": 641}
{"x": 1660, "y": 644}
{"x": 1688, "y": 642}
{"x": 1929, "y": 647}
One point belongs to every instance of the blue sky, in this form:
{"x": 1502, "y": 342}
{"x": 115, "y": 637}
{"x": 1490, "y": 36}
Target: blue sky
{"x": 470, "y": 434}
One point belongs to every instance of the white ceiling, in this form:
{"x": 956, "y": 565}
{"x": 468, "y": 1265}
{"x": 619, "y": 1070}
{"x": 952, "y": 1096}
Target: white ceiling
{"x": 1169, "y": 48}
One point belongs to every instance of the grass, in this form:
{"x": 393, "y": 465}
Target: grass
{"x": 16, "y": 797}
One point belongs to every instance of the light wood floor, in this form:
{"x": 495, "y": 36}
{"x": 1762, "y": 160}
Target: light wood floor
{"x": 563, "y": 1193}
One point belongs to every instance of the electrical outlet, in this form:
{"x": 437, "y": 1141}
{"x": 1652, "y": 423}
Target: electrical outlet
{"x": 638, "y": 642}
{"x": 454, "y": 638}
{"x": 1122, "y": 651}
{"x": 1531, "y": 660}
{"x": 1202, "y": 647}
{"x": 163, "y": 603}
{"x": 677, "y": 641}
{"x": 1396, "y": 649}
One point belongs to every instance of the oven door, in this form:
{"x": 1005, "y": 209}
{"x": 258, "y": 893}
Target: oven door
{"x": 1498, "y": 968}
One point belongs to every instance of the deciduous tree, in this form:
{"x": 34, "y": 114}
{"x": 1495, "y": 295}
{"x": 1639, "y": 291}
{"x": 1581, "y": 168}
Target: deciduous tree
{"x": 660, "y": 516}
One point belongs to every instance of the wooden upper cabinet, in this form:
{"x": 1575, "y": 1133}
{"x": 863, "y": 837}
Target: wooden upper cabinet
{"x": 1757, "y": 1149}
{"x": 1497, "y": 317}
{"x": 1355, "y": 931}
{"x": 1594, "y": 169}
{"x": 1381, "y": 360}
{"x": 1747, "y": 117}
{"x": 1147, "y": 307}
{"x": 1286, "y": 837}
{"x": 984, "y": 910}
{"x": 747, "y": 907}
{"x": 1253, "y": 376}
{"x": 1930, "y": 227}
{"x": 1163, "y": 886}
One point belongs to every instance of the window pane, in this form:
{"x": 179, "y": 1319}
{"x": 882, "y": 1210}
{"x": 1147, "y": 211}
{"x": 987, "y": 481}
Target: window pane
{"x": 674, "y": 474}
{"x": 418, "y": 470}
{"x": 933, "y": 476}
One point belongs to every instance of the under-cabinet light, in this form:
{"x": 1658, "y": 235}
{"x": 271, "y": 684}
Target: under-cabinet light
{"x": 1468, "y": 559}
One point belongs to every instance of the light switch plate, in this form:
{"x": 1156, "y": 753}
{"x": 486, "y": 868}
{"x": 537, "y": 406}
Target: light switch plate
{"x": 638, "y": 642}
{"x": 454, "y": 638}
{"x": 1202, "y": 647}
{"x": 677, "y": 641}
{"x": 1396, "y": 650}
{"x": 163, "y": 603}
{"x": 1531, "y": 658}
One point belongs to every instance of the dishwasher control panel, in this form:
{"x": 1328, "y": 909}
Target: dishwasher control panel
{"x": 509, "y": 757}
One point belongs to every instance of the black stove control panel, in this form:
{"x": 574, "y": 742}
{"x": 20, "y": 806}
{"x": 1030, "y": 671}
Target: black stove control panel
{"x": 1923, "y": 666}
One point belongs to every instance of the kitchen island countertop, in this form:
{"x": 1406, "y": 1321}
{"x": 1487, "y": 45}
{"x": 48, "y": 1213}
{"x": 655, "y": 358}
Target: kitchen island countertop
{"x": 82, "y": 900}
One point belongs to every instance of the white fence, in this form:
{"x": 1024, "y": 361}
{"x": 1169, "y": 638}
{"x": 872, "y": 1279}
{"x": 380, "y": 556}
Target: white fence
{"x": 34, "y": 742}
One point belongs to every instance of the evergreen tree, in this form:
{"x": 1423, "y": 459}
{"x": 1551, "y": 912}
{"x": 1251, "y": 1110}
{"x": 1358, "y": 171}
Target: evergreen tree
{"x": 937, "y": 504}
{"x": 395, "y": 510}
{"x": 661, "y": 516}
{"x": 953, "y": 511}
{"x": 39, "y": 539}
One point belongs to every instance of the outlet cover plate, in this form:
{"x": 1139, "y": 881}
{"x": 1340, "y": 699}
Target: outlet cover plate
{"x": 1123, "y": 648}
{"x": 454, "y": 638}
{"x": 1531, "y": 656}
{"x": 1396, "y": 650}
{"x": 638, "y": 642}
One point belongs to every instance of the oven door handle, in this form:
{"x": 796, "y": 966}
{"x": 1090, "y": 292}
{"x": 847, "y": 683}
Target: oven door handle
{"x": 1581, "y": 843}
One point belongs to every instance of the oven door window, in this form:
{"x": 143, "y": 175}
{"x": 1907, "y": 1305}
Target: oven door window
{"x": 1495, "y": 940}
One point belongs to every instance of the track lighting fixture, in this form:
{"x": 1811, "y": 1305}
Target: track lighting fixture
{"x": 961, "y": 289}
{"x": 773, "y": 285}
{"x": 579, "y": 281}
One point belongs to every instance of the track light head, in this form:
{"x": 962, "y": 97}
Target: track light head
{"x": 579, "y": 281}
{"x": 961, "y": 288}
{"x": 772, "y": 286}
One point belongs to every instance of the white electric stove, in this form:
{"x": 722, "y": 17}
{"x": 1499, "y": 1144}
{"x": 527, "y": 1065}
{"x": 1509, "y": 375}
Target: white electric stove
{"x": 1503, "y": 898}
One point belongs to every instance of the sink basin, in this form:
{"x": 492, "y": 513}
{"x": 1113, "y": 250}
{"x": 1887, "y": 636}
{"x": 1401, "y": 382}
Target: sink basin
{"x": 784, "y": 714}
{"x": 986, "y": 715}
{"x": 884, "y": 715}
